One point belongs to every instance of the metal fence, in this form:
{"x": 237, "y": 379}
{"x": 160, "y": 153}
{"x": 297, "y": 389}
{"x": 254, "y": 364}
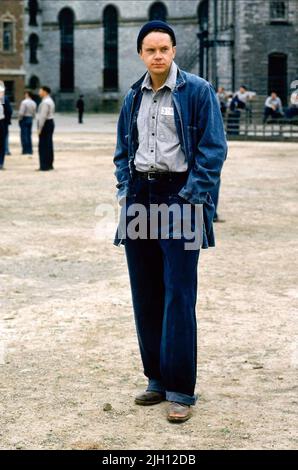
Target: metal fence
{"x": 248, "y": 125}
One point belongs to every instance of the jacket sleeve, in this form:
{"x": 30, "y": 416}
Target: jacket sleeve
{"x": 120, "y": 159}
{"x": 7, "y": 111}
{"x": 211, "y": 150}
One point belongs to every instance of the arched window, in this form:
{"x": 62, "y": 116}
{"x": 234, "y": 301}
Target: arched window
{"x": 277, "y": 75}
{"x": 203, "y": 15}
{"x": 33, "y": 10}
{"x": 203, "y": 20}
{"x": 66, "y": 23}
{"x": 34, "y": 82}
{"x": 33, "y": 45}
{"x": 110, "y": 23}
{"x": 158, "y": 11}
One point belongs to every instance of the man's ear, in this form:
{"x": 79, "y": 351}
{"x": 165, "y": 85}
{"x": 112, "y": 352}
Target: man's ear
{"x": 174, "y": 51}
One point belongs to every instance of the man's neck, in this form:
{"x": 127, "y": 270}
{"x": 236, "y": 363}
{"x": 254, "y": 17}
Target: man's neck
{"x": 157, "y": 81}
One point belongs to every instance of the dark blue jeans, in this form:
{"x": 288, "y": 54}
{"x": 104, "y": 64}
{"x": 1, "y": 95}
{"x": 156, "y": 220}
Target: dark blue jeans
{"x": 26, "y": 130}
{"x": 163, "y": 278}
{"x": 45, "y": 146}
{"x": 2, "y": 141}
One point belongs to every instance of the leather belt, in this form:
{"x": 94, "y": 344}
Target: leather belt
{"x": 158, "y": 175}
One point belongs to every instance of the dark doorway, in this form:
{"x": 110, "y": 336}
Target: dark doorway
{"x": 277, "y": 75}
{"x": 110, "y": 73}
{"x": 66, "y": 23}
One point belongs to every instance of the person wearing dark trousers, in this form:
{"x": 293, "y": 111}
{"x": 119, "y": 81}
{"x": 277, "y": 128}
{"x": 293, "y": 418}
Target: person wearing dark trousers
{"x": 46, "y": 126}
{"x": 2, "y": 126}
{"x": 8, "y": 115}
{"x": 169, "y": 153}
{"x": 273, "y": 107}
{"x": 5, "y": 121}
{"x": 27, "y": 113}
{"x": 80, "y": 107}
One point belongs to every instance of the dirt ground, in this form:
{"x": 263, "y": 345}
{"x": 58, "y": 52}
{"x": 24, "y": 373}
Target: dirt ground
{"x": 67, "y": 340}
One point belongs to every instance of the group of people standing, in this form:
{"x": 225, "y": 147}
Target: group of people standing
{"x": 27, "y": 113}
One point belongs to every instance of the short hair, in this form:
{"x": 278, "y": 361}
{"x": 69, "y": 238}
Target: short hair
{"x": 243, "y": 86}
{"x": 28, "y": 92}
{"x": 46, "y": 89}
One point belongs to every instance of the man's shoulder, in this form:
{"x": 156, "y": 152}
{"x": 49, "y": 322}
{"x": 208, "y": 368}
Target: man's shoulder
{"x": 193, "y": 78}
{"x": 195, "y": 82}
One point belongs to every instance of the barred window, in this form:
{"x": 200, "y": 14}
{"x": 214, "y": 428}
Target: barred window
{"x": 7, "y": 36}
{"x": 278, "y": 10}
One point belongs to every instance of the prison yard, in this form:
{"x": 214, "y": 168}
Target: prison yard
{"x": 69, "y": 359}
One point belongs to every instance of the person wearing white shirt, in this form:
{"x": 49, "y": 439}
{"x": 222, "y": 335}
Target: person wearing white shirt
{"x": 27, "y": 113}
{"x": 241, "y": 98}
{"x": 45, "y": 126}
{"x": 273, "y": 107}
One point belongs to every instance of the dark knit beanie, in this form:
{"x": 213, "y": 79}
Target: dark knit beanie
{"x": 150, "y": 26}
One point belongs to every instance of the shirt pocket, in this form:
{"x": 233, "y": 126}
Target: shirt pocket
{"x": 166, "y": 128}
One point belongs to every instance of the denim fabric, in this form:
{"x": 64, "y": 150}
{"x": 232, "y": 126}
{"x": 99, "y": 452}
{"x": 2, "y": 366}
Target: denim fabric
{"x": 45, "y": 146}
{"x": 26, "y": 139}
{"x": 163, "y": 279}
{"x": 201, "y": 134}
{"x": 2, "y": 141}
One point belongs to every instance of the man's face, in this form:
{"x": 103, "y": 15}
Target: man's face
{"x": 273, "y": 96}
{"x": 157, "y": 52}
{"x": 242, "y": 90}
{"x": 41, "y": 93}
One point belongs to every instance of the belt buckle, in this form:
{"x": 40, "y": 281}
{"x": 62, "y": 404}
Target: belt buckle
{"x": 151, "y": 173}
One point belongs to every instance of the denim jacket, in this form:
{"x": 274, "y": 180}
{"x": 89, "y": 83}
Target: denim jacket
{"x": 202, "y": 138}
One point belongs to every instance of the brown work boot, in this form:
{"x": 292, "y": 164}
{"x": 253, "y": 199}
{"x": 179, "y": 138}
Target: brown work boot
{"x": 178, "y": 412}
{"x": 148, "y": 398}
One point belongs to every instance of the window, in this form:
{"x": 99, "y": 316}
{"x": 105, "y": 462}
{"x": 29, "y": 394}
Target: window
{"x": 8, "y": 36}
{"x": 278, "y": 10}
{"x": 33, "y": 10}
{"x": 110, "y": 73}
{"x": 34, "y": 83}
{"x": 203, "y": 15}
{"x": 33, "y": 45}
{"x": 10, "y": 90}
{"x": 66, "y": 23}
{"x": 158, "y": 11}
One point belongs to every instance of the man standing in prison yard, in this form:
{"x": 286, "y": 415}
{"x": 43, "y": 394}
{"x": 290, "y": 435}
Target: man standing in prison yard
{"x": 170, "y": 150}
{"x": 45, "y": 128}
{"x": 80, "y": 107}
{"x": 27, "y": 113}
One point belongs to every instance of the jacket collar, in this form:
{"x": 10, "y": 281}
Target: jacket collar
{"x": 180, "y": 81}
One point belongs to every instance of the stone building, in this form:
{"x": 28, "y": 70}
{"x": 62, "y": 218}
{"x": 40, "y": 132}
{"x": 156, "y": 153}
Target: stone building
{"x": 12, "y": 70}
{"x": 89, "y": 46}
